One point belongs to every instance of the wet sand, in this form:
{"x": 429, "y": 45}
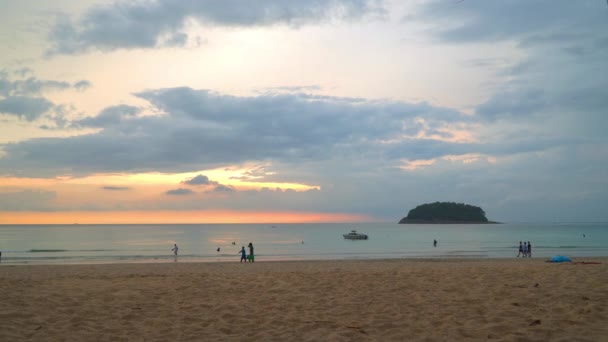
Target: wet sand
{"x": 373, "y": 300}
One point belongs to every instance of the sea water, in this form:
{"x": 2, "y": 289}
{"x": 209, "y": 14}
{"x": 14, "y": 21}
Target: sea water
{"x": 67, "y": 244}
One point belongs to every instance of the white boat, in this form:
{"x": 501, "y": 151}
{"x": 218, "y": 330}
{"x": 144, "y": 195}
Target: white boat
{"x": 353, "y": 235}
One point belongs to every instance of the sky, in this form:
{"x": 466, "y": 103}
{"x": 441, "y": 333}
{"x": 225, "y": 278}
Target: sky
{"x": 160, "y": 111}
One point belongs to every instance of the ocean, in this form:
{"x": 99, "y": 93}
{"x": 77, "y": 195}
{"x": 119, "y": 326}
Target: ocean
{"x": 86, "y": 244}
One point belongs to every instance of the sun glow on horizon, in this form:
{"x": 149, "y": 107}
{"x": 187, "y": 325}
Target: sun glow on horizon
{"x": 247, "y": 177}
{"x": 177, "y": 217}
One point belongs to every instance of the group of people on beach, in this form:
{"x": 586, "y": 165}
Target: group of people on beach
{"x": 244, "y": 256}
{"x": 525, "y": 249}
{"x": 243, "y": 252}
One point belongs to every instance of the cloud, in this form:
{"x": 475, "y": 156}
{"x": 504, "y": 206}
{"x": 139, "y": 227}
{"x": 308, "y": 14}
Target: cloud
{"x": 201, "y": 129}
{"x": 28, "y": 108}
{"x": 512, "y": 105}
{"x": 82, "y": 85}
{"x": 23, "y": 71}
{"x": 179, "y": 192}
{"x": 549, "y": 82}
{"x": 491, "y": 21}
{"x": 176, "y": 39}
{"x": 22, "y": 97}
{"x": 34, "y": 86}
{"x": 223, "y": 188}
{"x": 199, "y": 180}
{"x": 148, "y": 24}
{"x": 116, "y": 188}
{"x": 110, "y": 116}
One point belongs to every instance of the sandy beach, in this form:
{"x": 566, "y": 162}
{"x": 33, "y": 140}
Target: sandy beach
{"x": 375, "y": 300}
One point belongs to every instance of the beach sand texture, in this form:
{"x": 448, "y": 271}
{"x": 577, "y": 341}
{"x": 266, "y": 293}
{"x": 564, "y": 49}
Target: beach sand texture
{"x": 384, "y": 300}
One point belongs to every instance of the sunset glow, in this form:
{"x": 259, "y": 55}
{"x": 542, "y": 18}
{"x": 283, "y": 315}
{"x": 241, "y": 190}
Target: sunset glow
{"x": 177, "y": 217}
{"x": 363, "y": 107}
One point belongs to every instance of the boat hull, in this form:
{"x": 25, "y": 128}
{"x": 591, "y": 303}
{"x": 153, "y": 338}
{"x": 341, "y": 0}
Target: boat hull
{"x": 350, "y": 237}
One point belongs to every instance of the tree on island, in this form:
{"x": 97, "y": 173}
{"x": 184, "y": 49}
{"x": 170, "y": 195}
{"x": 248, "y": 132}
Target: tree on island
{"x": 446, "y": 212}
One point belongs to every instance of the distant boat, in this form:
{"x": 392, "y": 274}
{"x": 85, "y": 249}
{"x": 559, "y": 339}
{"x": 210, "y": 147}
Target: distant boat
{"x": 353, "y": 235}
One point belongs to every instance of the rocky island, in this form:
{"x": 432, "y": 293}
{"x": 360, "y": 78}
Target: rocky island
{"x": 446, "y": 213}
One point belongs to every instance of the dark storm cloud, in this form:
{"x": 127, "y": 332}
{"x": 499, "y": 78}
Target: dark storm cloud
{"x": 179, "y": 192}
{"x": 201, "y": 129}
{"x": 146, "y": 24}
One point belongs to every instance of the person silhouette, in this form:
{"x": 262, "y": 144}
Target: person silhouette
{"x": 521, "y": 249}
{"x": 175, "y": 249}
{"x": 243, "y": 254}
{"x": 434, "y": 243}
{"x": 251, "y": 255}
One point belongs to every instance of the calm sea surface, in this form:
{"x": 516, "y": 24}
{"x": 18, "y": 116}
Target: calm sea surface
{"x": 68, "y": 244}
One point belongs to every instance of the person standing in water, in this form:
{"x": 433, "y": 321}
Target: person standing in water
{"x": 175, "y": 249}
{"x": 434, "y": 243}
{"x": 243, "y": 254}
{"x": 251, "y": 255}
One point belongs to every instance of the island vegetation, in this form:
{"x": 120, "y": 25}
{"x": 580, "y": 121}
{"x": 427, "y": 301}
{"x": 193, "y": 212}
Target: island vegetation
{"x": 446, "y": 212}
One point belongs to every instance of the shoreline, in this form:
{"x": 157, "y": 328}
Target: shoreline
{"x": 260, "y": 259}
{"x": 363, "y": 300}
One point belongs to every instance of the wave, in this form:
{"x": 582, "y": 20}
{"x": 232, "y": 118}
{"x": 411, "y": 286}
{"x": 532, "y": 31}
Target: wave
{"x": 550, "y": 247}
{"x": 570, "y": 247}
{"x": 69, "y": 250}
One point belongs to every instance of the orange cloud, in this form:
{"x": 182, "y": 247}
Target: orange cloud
{"x": 200, "y": 216}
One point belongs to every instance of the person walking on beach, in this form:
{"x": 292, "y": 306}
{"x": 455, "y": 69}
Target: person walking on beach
{"x": 251, "y": 255}
{"x": 521, "y": 249}
{"x": 525, "y": 249}
{"x": 529, "y": 250}
{"x": 243, "y": 254}
{"x": 174, "y": 249}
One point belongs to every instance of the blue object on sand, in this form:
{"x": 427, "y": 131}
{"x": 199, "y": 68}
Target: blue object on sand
{"x": 560, "y": 258}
